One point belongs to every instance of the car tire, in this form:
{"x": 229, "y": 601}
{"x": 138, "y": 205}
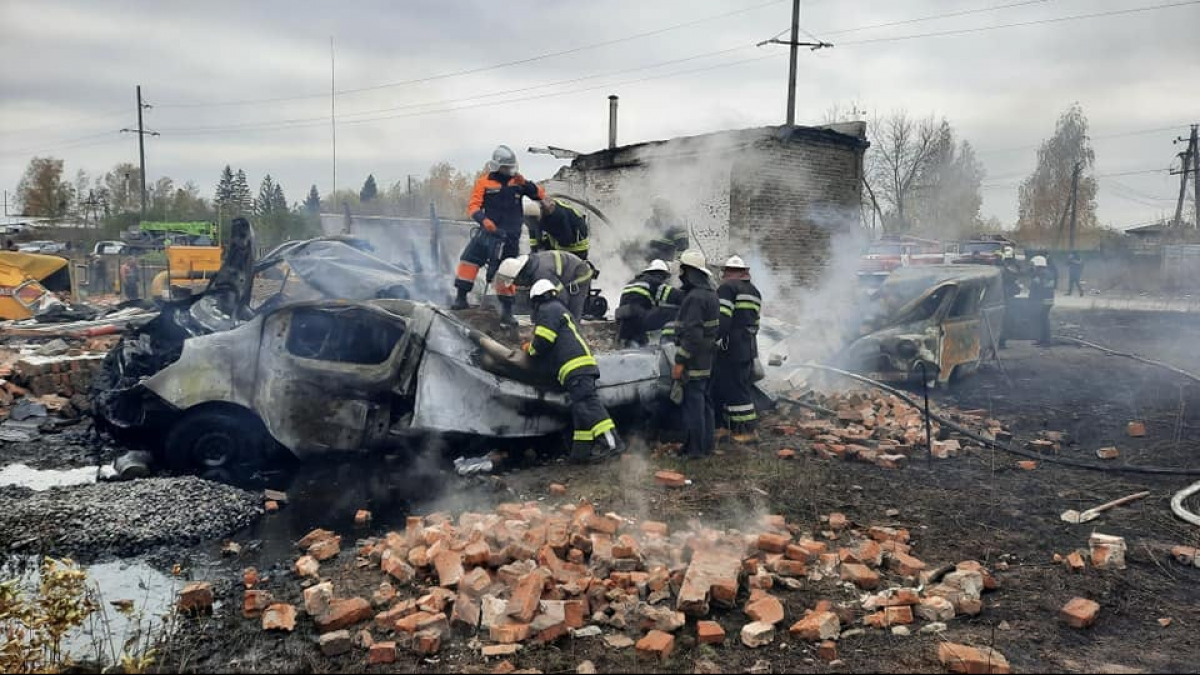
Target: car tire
{"x": 217, "y": 443}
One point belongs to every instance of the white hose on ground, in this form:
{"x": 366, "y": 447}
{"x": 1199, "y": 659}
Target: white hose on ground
{"x": 1177, "y": 503}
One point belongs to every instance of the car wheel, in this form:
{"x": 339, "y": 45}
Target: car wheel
{"x": 216, "y": 443}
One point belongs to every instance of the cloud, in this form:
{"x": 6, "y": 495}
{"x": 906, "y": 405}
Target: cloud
{"x": 78, "y": 63}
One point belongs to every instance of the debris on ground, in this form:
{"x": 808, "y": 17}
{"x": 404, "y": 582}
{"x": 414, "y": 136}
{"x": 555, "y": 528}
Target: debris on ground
{"x": 881, "y": 429}
{"x": 528, "y": 574}
{"x": 122, "y": 518}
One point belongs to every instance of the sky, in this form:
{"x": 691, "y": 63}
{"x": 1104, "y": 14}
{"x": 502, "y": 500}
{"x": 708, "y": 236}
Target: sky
{"x": 248, "y": 84}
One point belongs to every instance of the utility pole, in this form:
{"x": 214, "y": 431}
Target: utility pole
{"x": 1196, "y": 174}
{"x": 142, "y": 133}
{"x": 1187, "y": 165}
{"x": 795, "y": 45}
{"x": 333, "y": 112}
{"x": 1074, "y": 202}
{"x": 791, "y": 103}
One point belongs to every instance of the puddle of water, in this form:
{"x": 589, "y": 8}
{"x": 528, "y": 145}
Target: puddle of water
{"x": 104, "y": 634}
{"x": 23, "y": 475}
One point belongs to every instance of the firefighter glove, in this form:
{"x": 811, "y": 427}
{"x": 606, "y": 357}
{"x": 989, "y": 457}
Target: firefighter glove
{"x": 677, "y": 372}
{"x": 489, "y": 225}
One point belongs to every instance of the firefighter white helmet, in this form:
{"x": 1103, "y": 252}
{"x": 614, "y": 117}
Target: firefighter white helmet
{"x": 736, "y": 263}
{"x": 657, "y": 265}
{"x": 510, "y": 268}
{"x": 542, "y": 287}
{"x": 531, "y": 208}
{"x": 695, "y": 259}
{"x": 503, "y": 156}
{"x": 1038, "y": 261}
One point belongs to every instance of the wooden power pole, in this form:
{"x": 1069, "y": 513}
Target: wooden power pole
{"x": 142, "y": 133}
{"x": 1190, "y": 163}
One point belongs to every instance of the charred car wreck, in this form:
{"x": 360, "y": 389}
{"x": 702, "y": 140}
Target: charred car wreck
{"x": 325, "y": 353}
{"x": 936, "y": 321}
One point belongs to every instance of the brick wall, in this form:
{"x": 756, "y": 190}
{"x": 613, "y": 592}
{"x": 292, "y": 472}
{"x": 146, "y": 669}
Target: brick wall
{"x": 778, "y": 198}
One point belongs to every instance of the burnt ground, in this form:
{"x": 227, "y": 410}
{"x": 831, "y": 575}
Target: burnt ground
{"x": 978, "y": 506}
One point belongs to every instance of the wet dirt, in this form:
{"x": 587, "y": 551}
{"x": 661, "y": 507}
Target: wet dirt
{"x": 977, "y": 506}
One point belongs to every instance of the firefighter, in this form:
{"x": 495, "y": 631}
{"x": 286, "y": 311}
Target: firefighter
{"x": 555, "y": 225}
{"x": 496, "y": 205}
{"x": 571, "y": 276}
{"x": 737, "y": 348}
{"x": 1010, "y": 273}
{"x": 670, "y": 236}
{"x": 131, "y": 279}
{"x": 638, "y": 300}
{"x": 1041, "y": 290}
{"x": 558, "y": 342}
{"x": 660, "y": 322}
{"x": 697, "y": 325}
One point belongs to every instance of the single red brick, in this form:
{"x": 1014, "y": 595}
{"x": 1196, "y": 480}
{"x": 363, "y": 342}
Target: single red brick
{"x": 827, "y": 651}
{"x": 1080, "y": 613}
{"x": 362, "y": 518}
{"x": 860, "y": 575}
{"x": 656, "y": 645}
{"x": 670, "y": 479}
{"x": 899, "y": 616}
{"x": 710, "y": 633}
{"x": 558, "y": 489}
{"x": 271, "y": 506}
{"x": 786, "y": 453}
{"x": 963, "y": 659}
{"x": 381, "y": 652}
{"x": 773, "y": 543}
{"x": 523, "y": 604}
{"x": 838, "y": 521}
{"x": 254, "y": 602}
{"x": 280, "y": 616}
{"x": 1136, "y": 429}
{"x": 343, "y": 614}
{"x": 906, "y": 565}
{"x": 766, "y": 609}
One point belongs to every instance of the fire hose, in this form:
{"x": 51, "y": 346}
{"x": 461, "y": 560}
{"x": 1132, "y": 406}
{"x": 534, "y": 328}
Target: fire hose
{"x": 979, "y": 438}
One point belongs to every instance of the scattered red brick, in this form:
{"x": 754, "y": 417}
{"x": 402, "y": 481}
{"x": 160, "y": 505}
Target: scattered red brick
{"x": 1108, "y": 552}
{"x": 381, "y": 652}
{"x": 817, "y": 626}
{"x": 766, "y": 609}
{"x": 343, "y": 614}
{"x": 1074, "y": 562}
{"x": 271, "y": 506}
{"x": 838, "y": 522}
{"x": 1027, "y": 464}
{"x": 280, "y": 616}
{"x": 254, "y": 602}
{"x": 196, "y": 598}
{"x": 1136, "y": 429}
{"x": 655, "y": 645}
{"x": 1080, "y": 613}
{"x": 963, "y": 659}
{"x": 1186, "y": 555}
{"x": 773, "y": 543}
{"x": 709, "y": 633}
{"x": 860, "y": 575}
{"x": 362, "y": 518}
{"x": 558, "y": 489}
{"x": 786, "y": 453}
{"x": 827, "y": 651}
{"x": 670, "y": 479}
{"x": 1108, "y": 453}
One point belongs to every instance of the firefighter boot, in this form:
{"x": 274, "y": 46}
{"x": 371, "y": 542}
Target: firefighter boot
{"x": 507, "y": 319}
{"x": 461, "y": 301}
{"x": 607, "y": 447}
{"x": 581, "y": 452}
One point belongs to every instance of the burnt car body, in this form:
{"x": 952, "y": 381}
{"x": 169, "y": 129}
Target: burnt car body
{"x": 944, "y": 316}
{"x": 327, "y": 356}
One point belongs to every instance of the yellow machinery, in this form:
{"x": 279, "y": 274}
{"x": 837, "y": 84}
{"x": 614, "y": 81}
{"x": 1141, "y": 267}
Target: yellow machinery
{"x": 188, "y": 270}
{"x": 25, "y": 278}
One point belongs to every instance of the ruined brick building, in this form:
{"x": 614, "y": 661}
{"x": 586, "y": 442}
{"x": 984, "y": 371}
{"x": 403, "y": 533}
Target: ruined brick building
{"x": 777, "y": 194}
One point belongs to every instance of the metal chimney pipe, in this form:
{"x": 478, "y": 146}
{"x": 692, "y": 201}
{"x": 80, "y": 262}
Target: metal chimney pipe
{"x": 612, "y": 121}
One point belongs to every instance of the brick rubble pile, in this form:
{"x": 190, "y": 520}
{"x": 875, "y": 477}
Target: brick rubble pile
{"x": 525, "y": 574}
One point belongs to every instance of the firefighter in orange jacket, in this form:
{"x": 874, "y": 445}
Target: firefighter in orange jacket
{"x": 496, "y": 205}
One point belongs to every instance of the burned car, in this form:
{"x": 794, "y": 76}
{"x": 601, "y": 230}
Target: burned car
{"x": 299, "y": 370}
{"x": 947, "y": 317}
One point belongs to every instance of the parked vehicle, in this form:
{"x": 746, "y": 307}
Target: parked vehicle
{"x": 985, "y": 250}
{"x": 42, "y": 246}
{"x": 892, "y": 252}
{"x": 109, "y": 247}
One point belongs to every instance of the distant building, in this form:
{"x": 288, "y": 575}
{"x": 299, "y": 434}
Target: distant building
{"x": 775, "y": 194}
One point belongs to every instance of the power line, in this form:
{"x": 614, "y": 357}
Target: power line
{"x": 480, "y": 69}
{"x": 491, "y": 103}
{"x": 442, "y": 102}
{"x": 73, "y": 122}
{"x": 1060, "y": 19}
{"x": 932, "y": 17}
{"x": 1125, "y": 134}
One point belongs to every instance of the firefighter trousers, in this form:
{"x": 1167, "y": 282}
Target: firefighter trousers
{"x": 588, "y": 414}
{"x": 484, "y": 248}
{"x": 733, "y": 394}
{"x": 699, "y": 422}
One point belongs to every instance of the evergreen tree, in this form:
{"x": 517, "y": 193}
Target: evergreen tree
{"x": 264, "y": 204}
{"x": 224, "y": 196}
{"x": 369, "y": 190}
{"x": 279, "y": 202}
{"x": 313, "y": 203}
{"x": 243, "y": 201}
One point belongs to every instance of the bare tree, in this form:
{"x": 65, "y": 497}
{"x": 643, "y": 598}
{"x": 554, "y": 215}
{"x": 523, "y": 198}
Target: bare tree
{"x": 902, "y": 150}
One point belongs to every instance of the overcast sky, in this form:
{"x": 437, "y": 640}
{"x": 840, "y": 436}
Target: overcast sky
{"x": 70, "y": 69}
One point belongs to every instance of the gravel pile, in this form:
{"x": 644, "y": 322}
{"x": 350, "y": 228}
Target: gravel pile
{"x": 122, "y": 518}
